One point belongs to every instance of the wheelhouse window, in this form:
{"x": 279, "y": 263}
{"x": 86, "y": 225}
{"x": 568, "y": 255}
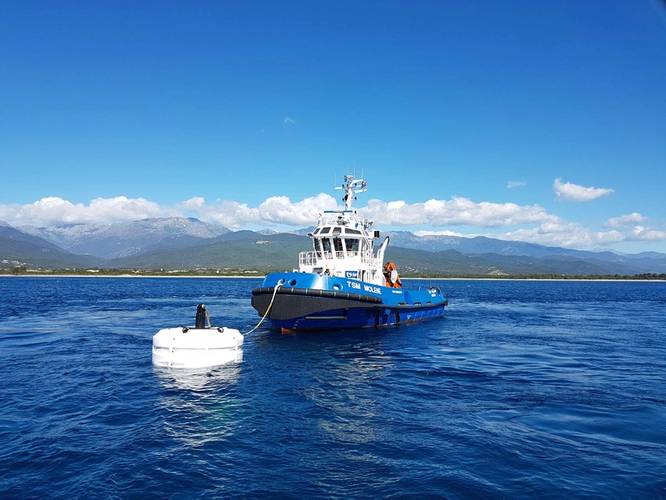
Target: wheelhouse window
{"x": 352, "y": 231}
{"x": 351, "y": 245}
{"x": 337, "y": 244}
{"x": 326, "y": 244}
{"x": 337, "y": 231}
{"x": 317, "y": 245}
{"x": 326, "y": 230}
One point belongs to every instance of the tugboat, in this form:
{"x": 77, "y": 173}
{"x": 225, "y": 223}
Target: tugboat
{"x": 343, "y": 281}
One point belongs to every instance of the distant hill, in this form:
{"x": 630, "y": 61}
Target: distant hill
{"x": 633, "y": 264}
{"x": 478, "y": 245}
{"x": 237, "y": 250}
{"x": 452, "y": 262}
{"x": 18, "y": 247}
{"x": 251, "y": 250}
{"x": 188, "y": 244}
{"x": 122, "y": 239}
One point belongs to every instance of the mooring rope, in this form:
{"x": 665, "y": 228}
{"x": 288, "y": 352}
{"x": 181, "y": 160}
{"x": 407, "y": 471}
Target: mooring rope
{"x": 268, "y": 309}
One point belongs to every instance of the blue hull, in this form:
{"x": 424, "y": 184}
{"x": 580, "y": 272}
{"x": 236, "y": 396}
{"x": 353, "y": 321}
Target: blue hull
{"x": 358, "y": 318}
{"x": 313, "y": 302}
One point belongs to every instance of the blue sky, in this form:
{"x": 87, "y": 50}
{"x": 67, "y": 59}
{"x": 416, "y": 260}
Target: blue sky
{"x": 244, "y": 101}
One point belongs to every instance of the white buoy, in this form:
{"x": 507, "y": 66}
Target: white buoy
{"x": 184, "y": 347}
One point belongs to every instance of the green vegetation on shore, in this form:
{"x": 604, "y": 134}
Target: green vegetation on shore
{"x": 249, "y": 253}
{"x": 250, "y": 273}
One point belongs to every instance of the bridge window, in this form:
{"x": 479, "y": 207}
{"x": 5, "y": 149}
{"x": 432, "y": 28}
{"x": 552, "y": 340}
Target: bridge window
{"x": 337, "y": 231}
{"x": 326, "y": 243}
{"x": 351, "y": 245}
{"x": 326, "y": 230}
{"x": 352, "y": 231}
{"x": 337, "y": 243}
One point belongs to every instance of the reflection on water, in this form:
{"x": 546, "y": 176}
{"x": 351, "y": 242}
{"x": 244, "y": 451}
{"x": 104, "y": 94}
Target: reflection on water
{"x": 202, "y": 379}
{"x": 344, "y": 388}
{"x": 199, "y": 406}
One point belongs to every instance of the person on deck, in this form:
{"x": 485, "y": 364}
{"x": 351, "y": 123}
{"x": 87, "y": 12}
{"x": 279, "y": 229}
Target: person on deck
{"x": 391, "y": 275}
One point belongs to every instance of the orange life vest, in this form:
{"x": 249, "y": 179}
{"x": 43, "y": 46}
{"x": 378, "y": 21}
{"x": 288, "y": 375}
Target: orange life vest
{"x": 389, "y": 267}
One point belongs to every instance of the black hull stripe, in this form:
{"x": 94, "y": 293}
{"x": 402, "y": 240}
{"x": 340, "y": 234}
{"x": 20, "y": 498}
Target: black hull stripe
{"x": 313, "y": 292}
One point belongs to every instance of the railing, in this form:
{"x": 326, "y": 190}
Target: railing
{"x": 312, "y": 258}
{"x": 332, "y": 218}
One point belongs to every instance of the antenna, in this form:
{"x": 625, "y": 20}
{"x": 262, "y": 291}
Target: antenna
{"x": 352, "y": 187}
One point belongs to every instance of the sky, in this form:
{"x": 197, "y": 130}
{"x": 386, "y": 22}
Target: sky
{"x": 538, "y": 121}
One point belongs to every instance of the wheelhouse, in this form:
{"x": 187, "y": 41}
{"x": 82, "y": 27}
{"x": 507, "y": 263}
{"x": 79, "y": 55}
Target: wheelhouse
{"x": 343, "y": 245}
{"x": 337, "y": 242}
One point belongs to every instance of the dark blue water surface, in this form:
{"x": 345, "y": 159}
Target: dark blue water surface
{"x": 524, "y": 389}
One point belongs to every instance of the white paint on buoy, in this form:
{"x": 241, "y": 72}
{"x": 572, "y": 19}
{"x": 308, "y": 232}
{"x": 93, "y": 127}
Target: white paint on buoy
{"x": 184, "y": 347}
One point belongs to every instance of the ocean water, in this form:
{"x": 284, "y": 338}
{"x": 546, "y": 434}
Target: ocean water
{"x": 552, "y": 389}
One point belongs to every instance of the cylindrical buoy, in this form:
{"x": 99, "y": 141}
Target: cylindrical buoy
{"x": 184, "y": 347}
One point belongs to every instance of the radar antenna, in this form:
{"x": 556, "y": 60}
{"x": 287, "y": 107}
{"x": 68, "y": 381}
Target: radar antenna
{"x": 352, "y": 187}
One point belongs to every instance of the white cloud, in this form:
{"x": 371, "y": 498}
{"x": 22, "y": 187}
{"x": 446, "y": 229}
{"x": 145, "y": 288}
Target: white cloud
{"x": 574, "y": 192}
{"x": 441, "y": 233}
{"x": 515, "y": 184}
{"x": 275, "y": 210}
{"x": 282, "y": 210}
{"x": 574, "y": 235}
{"x": 456, "y": 211}
{"x": 625, "y": 220}
{"x": 55, "y": 210}
{"x": 562, "y": 233}
{"x": 530, "y": 223}
{"x": 288, "y": 121}
{"x": 646, "y": 234}
{"x": 194, "y": 203}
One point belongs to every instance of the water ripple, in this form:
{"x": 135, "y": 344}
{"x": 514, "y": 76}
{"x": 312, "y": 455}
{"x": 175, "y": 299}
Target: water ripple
{"x": 524, "y": 389}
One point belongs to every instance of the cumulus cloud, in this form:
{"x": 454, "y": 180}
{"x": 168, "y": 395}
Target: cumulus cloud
{"x": 575, "y": 192}
{"x": 456, "y": 211}
{"x": 194, "y": 203}
{"x": 563, "y": 233}
{"x": 231, "y": 214}
{"x": 281, "y": 209}
{"x": 568, "y": 234}
{"x": 511, "y": 221}
{"x": 515, "y": 184}
{"x": 441, "y": 233}
{"x": 625, "y": 220}
{"x": 55, "y": 210}
{"x": 646, "y": 234}
{"x": 274, "y": 210}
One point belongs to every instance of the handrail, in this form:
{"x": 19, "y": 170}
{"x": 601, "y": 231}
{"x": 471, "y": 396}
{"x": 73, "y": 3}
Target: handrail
{"x": 311, "y": 258}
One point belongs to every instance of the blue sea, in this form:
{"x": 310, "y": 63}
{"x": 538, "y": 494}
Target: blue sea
{"x": 524, "y": 389}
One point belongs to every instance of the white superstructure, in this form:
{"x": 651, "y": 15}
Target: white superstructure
{"x": 343, "y": 242}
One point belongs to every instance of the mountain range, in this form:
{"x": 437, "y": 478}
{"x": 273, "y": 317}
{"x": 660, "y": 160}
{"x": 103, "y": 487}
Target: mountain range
{"x": 189, "y": 243}
{"x": 122, "y": 239}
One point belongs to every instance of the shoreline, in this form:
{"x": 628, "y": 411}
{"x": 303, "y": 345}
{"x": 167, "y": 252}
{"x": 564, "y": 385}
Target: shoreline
{"x": 213, "y": 276}
{"x": 206, "y": 276}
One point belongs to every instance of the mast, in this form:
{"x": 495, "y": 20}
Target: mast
{"x": 351, "y": 188}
